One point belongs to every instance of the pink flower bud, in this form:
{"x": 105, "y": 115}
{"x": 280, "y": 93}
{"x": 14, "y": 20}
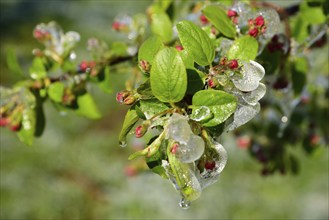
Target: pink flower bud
{"x": 231, "y": 13}
{"x": 244, "y": 142}
{"x": 210, "y": 165}
{"x": 145, "y": 66}
{"x": 116, "y": 26}
{"x": 129, "y": 100}
{"x": 253, "y": 32}
{"x": 16, "y": 127}
{"x": 83, "y": 66}
{"x": 140, "y": 131}
{"x": 212, "y": 83}
{"x": 259, "y": 21}
{"x": 179, "y": 47}
{"x": 174, "y": 148}
{"x": 233, "y": 64}
{"x": 203, "y": 19}
{"x": 4, "y": 121}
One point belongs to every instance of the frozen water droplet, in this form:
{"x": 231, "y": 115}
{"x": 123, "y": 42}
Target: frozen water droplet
{"x": 210, "y": 176}
{"x": 184, "y": 204}
{"x": 243, "y": 114}
{"x": 202, "y": 114}
{"x": 254, "y": 96}
{"x": 272, "y": 21}
{"x": 123, "y": 143}
{"x": 178, "y": 128}
{"x": 252, "y": 72}
{"x": 192, "y": 150}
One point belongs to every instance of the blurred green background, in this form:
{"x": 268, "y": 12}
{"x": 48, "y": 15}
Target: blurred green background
{"x": 76, "y": 170}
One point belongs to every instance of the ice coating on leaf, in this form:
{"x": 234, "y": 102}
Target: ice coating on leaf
{"x": 210, "y": 176}
{"x": 254, "y": 96}
{"x": 178, "y": 128}
{"x": 70, "y": 39}
{"x": 252, "y": 72}
{"x": 202, "y": 114}
{"x": 224, "y": 46}
{"x": 193, "y": 150}
{"x": 243, "y": 114}
{"x": 272, "y": 21}
{"x": 244, "y": 11}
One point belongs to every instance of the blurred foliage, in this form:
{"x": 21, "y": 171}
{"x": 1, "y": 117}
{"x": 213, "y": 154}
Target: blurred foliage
{"x": 76, "y": 169}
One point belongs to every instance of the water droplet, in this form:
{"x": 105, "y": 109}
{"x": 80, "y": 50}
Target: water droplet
{"x": 184, "y": 204}
{"x": 123, "y": 143}
{"x": 202, "y": 114}
{"x": 284, "y": 119}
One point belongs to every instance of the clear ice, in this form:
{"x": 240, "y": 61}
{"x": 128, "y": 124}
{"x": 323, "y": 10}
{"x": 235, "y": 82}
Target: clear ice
{"x": 252, "y": 72}
{"x": 254, "y": 96}
{"x": 209, "y": 177}
{"x": 193, "y": 150}
{"x": 243, "y": 114}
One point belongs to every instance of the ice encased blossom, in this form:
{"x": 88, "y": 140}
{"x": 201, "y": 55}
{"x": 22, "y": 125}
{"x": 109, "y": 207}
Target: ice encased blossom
{"x": 56, "y": 41}
{"x": 210, "y": 176}
{"x": 252, "y": 72}
{"x": 191, "y": 146}
{"x": 272, "y": 21}
{"x": 243, "y": 114}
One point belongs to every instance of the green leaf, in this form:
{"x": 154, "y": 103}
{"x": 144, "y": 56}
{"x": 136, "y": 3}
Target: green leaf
{"x": 187, "y": 59}
{"x": 168, "y": 76}
{"x": 105, "y": 84}
{"x": 38, "y": 70}
{"x": 150, "y": 48}
{"x": 196, "y": 42}
{"x": 130, "y": 120}
{"x": 56, "y": 91}
{"x": 87, "y": 107}
{"x": 299, "y": 69}
{"x": 244, "y": 48}
{"x": 12, "y": 63}
{"x": 312, "y": 15}
{"x": 218, "y": 17}
{"x": 151, "y": 107}
{"x": 161, "y": 25}
{"x": 154, "y": 162}
{"x": 221, "y": 104}
{"x": 145, "y": 90}
{"x": 152, "y": 149}
{"x": 26, "y": 133}
{"x": 196, "y": 81}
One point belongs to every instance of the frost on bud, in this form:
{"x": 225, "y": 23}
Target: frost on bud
{"x": 203, "y": 19}
{"x": 233, "y": 64}
{"x": 232, "y": 13}
{"x": 253, "y": 32}
{"x": 145, "y": 65}
{"x": 259, "y": 21}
